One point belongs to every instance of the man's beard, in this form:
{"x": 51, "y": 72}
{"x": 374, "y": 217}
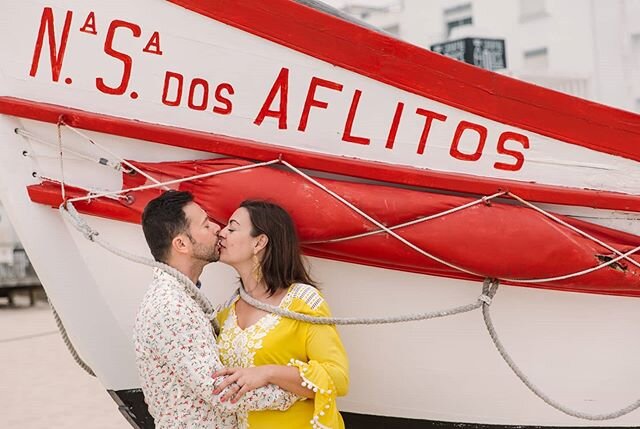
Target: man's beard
{"x": 206, "y": 254}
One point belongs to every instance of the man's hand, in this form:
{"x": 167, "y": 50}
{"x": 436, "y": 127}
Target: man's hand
{"x": 241, "y": 381}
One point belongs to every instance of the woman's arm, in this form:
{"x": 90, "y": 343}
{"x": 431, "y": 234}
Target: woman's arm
{"x": 246, "y": 379}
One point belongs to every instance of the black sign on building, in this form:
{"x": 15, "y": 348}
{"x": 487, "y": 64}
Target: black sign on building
{"x": 489, "y": 54}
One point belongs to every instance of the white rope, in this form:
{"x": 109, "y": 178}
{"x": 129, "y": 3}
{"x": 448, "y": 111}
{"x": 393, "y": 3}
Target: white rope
{"x": 70, "y": 213}
{"x": 579, "y": 273}
{"x": 122, "y": 160}
{"x": 484, "y": 200}
{"x": 571, "y": 227}
{"x": 67, "y": 342}
{"x": 485, "y": 299}
{"x": 102, "y": 161}
{"x": 91, "y": 192}
{"x": 413, "y": 317}
{"x": 63, "y": 192}
{"x": 539, "y": 393}
{"x": 435, "y": 258}
{"x": 376, "y": 223}
{"x": 489, "y": 287}
{"x": 381, "y": 226}
{"x": 176, "y": 181}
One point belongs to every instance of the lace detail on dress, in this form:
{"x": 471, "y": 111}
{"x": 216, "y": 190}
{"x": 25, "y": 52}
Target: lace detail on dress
{"x": 238, "y": 346}
{"x": 308, "y": 294}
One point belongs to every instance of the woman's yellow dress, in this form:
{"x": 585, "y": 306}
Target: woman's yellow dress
{"x": 316, "y": 350}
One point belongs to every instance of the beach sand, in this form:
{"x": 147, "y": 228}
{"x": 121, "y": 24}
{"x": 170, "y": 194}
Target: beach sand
{"x": 41, "y": 386}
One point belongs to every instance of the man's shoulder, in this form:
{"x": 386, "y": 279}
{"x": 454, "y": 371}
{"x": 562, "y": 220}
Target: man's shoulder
{"x": 162, "y": 297}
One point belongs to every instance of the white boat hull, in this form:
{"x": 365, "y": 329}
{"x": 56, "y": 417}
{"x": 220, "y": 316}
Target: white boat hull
{"x": 580, "y": 349}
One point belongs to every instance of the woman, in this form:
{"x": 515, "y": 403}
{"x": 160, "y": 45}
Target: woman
{"x": 259, "y": 348}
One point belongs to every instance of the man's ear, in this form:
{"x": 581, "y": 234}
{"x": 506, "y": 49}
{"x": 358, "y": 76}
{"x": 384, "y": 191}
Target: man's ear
{"x": 180, "y": 243}
{"x": 261, "y": 242}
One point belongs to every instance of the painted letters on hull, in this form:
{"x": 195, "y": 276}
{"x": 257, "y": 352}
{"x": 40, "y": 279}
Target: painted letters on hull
{"x": 131, "y": 66}
{"x": 241, "y": 79}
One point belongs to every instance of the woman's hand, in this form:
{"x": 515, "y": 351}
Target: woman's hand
{"x": 241, "y": 381}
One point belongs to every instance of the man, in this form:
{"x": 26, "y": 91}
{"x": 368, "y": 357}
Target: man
{"x": 176, "y": 350}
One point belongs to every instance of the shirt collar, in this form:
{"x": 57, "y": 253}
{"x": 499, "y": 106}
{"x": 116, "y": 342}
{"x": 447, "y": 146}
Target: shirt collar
{"x": 160, "y": 273}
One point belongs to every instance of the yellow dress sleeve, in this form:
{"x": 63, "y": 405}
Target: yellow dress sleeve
{"x": 326, "y": 372}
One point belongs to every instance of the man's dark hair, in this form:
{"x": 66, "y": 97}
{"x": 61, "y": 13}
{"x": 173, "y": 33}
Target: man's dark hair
{"x": 282, "y": 264}
{"x": 162, "y": 219}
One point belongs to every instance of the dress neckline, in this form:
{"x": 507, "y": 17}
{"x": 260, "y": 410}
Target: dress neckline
{"x": 284, "y": 303}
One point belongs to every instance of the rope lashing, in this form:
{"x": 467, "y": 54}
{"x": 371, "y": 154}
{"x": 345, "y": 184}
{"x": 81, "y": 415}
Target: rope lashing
{"x": 173, "y": 182}
{"x": 537, "y": 391}
{"x": 484, "y": 298}
{"x": 62, "y": 187}
{"x": 403, "y": 240}
{"x": 83, "y": 156}
{"x": 67, "y": 341}
{"x": 91, "y": 193}
{"x": 489, "y": 289}
{"x": 410, "y": 223}
{"x": 70, "y": 213}
{"x": 571, "y": 227}
{"x": 381, "y": 228}
{"x": 484, "y": 301}
{"x": 122, "y": 160}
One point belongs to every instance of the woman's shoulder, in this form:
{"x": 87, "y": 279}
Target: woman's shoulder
{"x": 307, "y": 299}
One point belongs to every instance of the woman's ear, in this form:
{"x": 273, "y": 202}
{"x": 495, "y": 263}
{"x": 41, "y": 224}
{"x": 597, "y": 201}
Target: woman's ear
{"x": 261, "y": 242}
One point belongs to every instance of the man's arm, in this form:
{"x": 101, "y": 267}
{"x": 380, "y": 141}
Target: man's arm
{"x": 186, "y": 341}
{"x": 269, "y": 397}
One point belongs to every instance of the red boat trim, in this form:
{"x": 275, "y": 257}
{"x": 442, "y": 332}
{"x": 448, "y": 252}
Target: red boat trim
{"x": 49, "y": 193}
{"x": 431, "y": 75}
{"x": 248, "y": 149}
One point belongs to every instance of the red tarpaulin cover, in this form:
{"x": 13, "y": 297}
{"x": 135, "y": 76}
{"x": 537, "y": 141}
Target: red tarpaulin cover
{"x": 501, "y": 240}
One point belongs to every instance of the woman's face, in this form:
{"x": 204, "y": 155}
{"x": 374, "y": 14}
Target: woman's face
{"x": 237, "y": 246}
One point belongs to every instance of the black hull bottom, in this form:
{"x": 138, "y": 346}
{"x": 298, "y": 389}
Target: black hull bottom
{"x": 131, "y": 404}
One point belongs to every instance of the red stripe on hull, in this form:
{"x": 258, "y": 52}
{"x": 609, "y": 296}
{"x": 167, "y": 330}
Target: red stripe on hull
{"x": 236, "y": 147}
{"x": 416, "y": 70}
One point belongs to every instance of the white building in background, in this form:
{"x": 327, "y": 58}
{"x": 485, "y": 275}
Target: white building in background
{"x": 589, "y": 48}
{"x": 387, "y": 16}
{"x": 8, "y": 239}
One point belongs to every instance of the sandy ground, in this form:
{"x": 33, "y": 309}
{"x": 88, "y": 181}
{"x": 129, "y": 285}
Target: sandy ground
{"x": 40, "y": 384}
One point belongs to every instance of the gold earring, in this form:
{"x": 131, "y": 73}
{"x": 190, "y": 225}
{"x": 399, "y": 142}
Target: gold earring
{"x": 257, "y": 269}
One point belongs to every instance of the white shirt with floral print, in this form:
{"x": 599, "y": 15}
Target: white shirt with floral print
{"x": 176, "y": 354}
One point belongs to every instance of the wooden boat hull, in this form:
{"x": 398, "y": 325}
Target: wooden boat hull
{"x": 242, "y": 79}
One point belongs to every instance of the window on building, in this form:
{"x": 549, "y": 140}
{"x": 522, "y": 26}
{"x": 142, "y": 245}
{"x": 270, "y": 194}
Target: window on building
{"x": 536, "y": 59}
{"x": 531, "y": 9}
{"x": 457, "y": 16}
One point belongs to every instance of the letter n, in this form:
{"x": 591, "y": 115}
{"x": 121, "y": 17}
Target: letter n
{"x": 47, "y": 25}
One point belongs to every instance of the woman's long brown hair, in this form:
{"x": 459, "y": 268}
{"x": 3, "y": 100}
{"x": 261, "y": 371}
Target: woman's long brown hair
{"x": 282, "y": 264}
